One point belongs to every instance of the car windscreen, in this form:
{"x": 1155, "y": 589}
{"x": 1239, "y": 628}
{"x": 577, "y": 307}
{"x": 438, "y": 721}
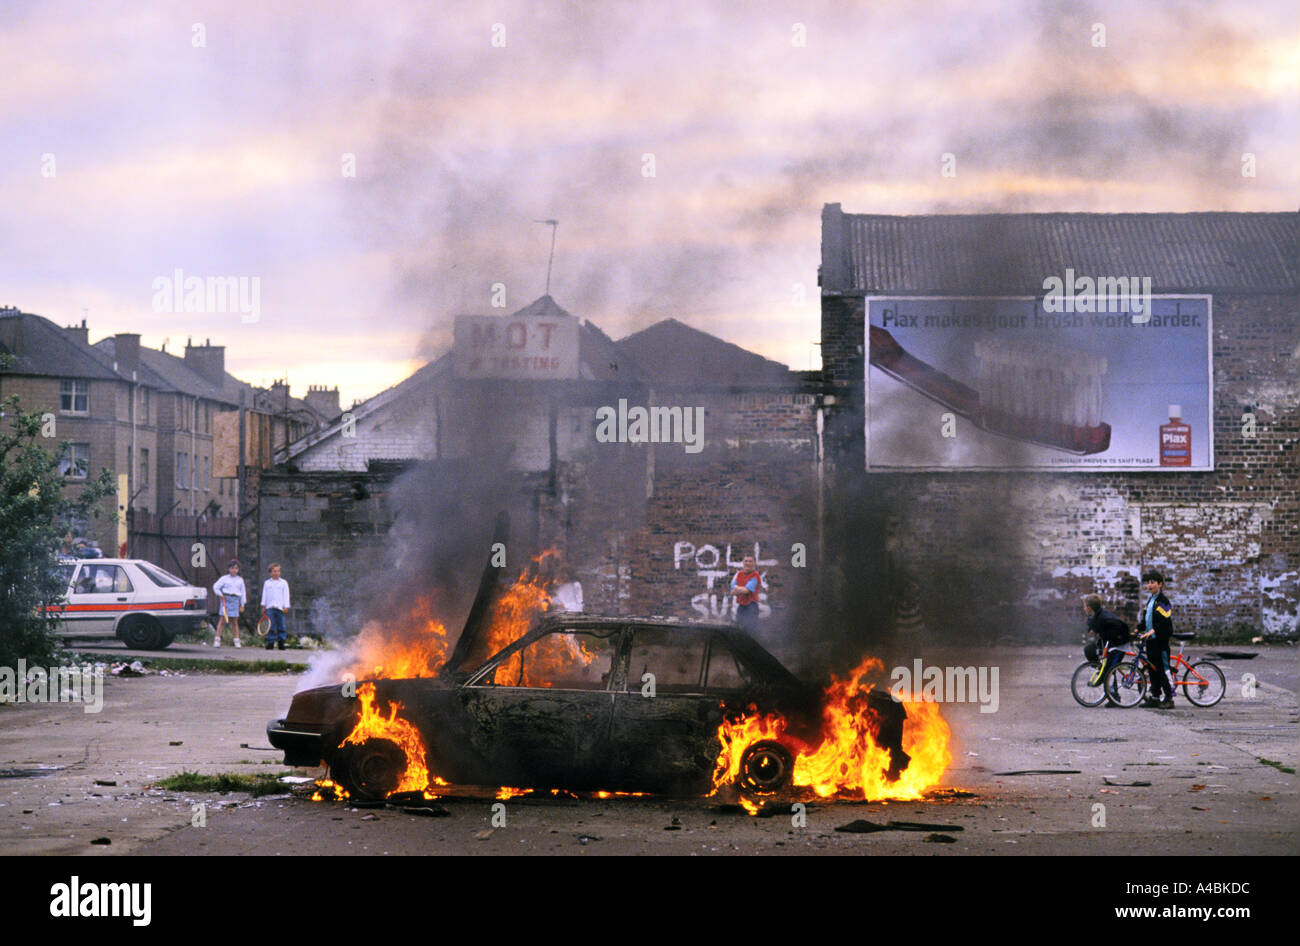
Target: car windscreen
{"x": 161, "y": 578}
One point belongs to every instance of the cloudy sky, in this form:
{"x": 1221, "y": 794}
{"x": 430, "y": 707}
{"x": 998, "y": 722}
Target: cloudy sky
{"x": 138, "y": 138}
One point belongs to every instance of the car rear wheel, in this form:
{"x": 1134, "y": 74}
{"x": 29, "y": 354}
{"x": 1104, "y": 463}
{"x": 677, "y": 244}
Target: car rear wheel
{"x": 370, "y": 771}
{"x": 766, "y": 767}
{"x": 141, "y": 632}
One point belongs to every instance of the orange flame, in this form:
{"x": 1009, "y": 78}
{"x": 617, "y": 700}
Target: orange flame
{"x": 848, "y": 761}
{"x": 372, "y": 724}
{"x": 411, "y": 645}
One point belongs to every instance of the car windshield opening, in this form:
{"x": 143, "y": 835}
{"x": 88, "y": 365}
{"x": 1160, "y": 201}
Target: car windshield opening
{"x": 566, "y": 659}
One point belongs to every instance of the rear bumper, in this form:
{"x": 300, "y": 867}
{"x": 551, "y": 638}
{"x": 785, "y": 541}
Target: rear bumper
{"x": 301, "y": 746}
{"x": 177, "y": 623}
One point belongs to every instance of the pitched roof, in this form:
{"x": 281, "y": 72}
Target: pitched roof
{"x": 39, "y": 347}
{"x": 671, "y": 352}
{"x": 1014, "y": 253}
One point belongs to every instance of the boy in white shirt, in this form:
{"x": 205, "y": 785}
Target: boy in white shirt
{"x": 232, "y": 595}
{"x": 275, "y": 601}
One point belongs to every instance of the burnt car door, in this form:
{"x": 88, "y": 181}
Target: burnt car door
{"x": 664, "y": 731}
{"x": 538, "y": 713}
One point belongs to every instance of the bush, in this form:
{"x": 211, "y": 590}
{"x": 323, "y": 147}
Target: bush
{"x": 32, "y": 508}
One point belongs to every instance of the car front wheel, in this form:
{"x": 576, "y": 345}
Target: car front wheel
{"x": 766, "y": 767}
{"x": 142, "y": 633}
{"x": 370, "y": 771}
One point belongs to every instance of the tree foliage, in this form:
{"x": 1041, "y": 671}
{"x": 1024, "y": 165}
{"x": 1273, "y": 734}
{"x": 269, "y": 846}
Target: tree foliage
{"x": 33, "y": 511}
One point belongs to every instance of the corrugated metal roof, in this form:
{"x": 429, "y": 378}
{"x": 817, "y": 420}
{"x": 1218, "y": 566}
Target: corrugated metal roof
{"x": 1013, "y": 253}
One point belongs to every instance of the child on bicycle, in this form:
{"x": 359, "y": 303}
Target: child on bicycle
{"x": 1156, "y": 626}
{"x": 1111, "y": 631}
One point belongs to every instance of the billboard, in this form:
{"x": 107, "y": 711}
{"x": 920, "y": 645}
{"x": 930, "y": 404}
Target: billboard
{"x": 1012, "y": 383}
{"x": 522, "y": 348}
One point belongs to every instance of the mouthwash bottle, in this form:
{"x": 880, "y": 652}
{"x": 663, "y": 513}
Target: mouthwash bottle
{"x": 1175, "y": 439}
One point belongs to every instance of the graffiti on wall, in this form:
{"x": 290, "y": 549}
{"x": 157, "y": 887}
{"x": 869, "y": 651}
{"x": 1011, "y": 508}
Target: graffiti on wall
{"x": 715, "y": 565}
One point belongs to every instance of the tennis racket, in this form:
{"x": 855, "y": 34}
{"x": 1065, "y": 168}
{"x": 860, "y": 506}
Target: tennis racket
{"x": 263, "y": 625}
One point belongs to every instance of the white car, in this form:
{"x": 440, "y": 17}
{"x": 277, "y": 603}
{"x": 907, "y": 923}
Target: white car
{"x": 134, "y": 600}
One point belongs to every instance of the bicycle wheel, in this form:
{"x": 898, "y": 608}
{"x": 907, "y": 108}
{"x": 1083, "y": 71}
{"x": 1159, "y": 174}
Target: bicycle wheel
{"x": 1126, "y": 685}
{"x": 1085, "y": 692}
{"x": 1204, "y": 684}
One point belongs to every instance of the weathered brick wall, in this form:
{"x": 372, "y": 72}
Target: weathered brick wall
{"x": 326, "y": 531}
{"x": 1229, "y": 539}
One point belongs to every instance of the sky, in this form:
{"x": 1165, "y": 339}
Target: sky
{"x": 378, "y": 168}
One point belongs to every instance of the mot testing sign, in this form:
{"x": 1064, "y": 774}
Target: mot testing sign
{"x": 1007, "y": 383}
{"x": 521, "y": 348}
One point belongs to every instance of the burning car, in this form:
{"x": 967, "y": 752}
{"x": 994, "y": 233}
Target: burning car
{"x": 579, "y": 702}
{"x": 531, "y": 698}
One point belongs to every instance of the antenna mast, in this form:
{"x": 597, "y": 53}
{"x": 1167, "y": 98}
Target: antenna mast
{"x": 553, "y": 224}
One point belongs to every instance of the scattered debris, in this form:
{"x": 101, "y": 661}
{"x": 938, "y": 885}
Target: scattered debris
{"x": 952, "y": 793}
{"x": 484, "y": 834}
{"x": 1196, "y": 788}
{"x": 175, "y": 742}
{"x": 587, "y": 838}
{"x": 428, "y": 811}
{"x": 868, "y": 827}
{"x": 1041, "y": 772}
{"x": 1232, "y": 655}
{"x": 675, "y": 826}
{"x": 940, "y": 839}
{"x": 105, "y": 781}
{"x": 370, "y": 817}
{"x": 1107, "y": 780}
{"x": 102, "y": 841}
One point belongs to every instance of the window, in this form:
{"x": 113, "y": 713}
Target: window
{"x": 567, "y": 660}
{"x": 144, "y": 466}
{"x": 102, "y": 580}
{"x": 207, "y": 474}
{"x": 676, "y": 658}
{"x": 74, "y": 397}
{"x": 159, "y": 577}
{"x": 724, "y": 671}
{"x": 75, "y": 461}
{"x": 143, "y": 413}
{"x": 182, "y": 470}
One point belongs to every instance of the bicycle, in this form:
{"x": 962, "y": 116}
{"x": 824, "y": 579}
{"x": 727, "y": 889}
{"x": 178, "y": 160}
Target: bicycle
{"x": 1087, "y": 685}
{"x": 1203, "y": 682}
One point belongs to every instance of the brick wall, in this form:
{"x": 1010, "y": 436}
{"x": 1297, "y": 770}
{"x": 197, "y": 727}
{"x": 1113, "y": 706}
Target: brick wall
{"x": 1015, "y": 550}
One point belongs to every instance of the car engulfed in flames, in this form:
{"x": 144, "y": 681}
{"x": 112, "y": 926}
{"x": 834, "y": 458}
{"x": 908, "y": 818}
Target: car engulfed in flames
{"x": 602, "y": 704}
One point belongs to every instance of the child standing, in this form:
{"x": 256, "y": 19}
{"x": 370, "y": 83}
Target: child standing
{"x": 1156, "y": 625}
{"x": 275, "y": 601}
{"x": 230, "y": 589}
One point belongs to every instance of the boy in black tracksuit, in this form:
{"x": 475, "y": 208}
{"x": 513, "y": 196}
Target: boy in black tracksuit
{"x": 1156, "y": 626}
{"x": 1110, "y": 630}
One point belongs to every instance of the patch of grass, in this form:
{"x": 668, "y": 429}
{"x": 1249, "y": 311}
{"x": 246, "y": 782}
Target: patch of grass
{"x": 1279, "y": 766}
{"x": 202, "y": 666}
{"x": 262, "y": 783}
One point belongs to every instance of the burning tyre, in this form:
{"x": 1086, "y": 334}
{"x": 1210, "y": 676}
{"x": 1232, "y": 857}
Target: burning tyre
{"x": 369, "y": 771}
{"x": 765, "y": 768}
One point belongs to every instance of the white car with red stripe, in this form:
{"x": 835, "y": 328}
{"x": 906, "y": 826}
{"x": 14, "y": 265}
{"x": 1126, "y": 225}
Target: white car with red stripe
{"x": 128, "y": 598}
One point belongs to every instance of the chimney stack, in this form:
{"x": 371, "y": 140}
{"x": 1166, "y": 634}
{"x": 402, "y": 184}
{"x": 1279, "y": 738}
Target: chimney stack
{"x": 80, "y": 332}
{"x": 323, "y": 400}
{"x": 126, "y": 352}
{"x": 207, "y": 361}
{"x": 279, "y": 395}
